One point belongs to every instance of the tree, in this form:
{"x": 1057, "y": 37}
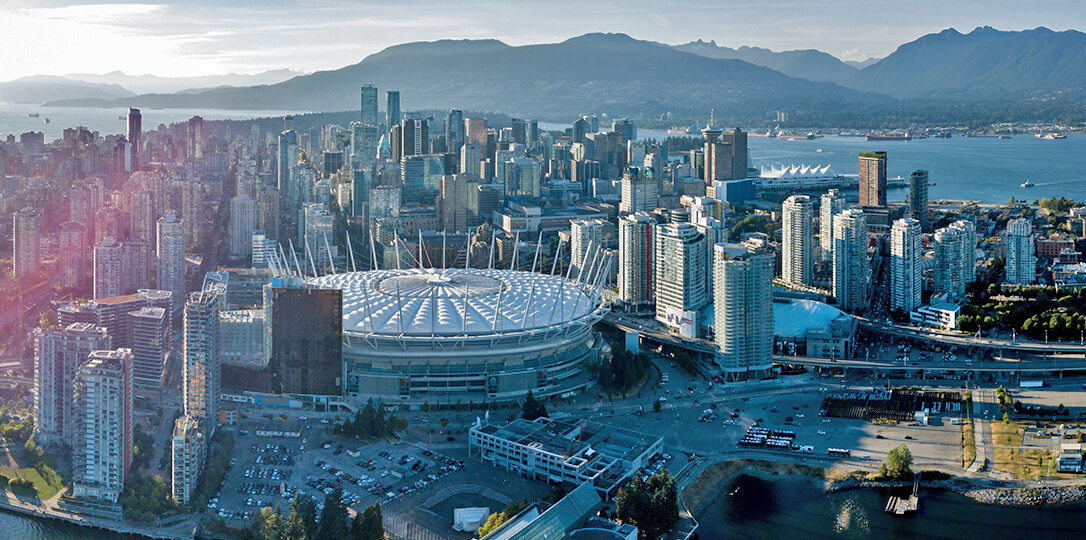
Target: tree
{"x": 368, "y": 525}
{"x": 656, "y": 406}
{"x": 899, "y": 461}
{"x": 333, "y": 522}
{"x": 268, "y": 524}
{"x": 301, "y": 522}
{"x": 652, "y": 506}
{"x": 532, "y": 408}
{"x": 496, "y": 519}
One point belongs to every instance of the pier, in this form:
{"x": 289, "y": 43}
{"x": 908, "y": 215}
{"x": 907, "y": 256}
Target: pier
{"x": 903, "y": 506}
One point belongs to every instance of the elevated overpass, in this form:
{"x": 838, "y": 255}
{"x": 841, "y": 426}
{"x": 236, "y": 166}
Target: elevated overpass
{"x": 970, "y": 341}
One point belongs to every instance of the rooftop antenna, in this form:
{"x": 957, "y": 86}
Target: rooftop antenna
{"x": 516, "y": 245}
{"x": 373, "y": 253}
{"x": 328, "y": 248}
{"x": 350, "y": 250}
{"x": 538, "y": 246}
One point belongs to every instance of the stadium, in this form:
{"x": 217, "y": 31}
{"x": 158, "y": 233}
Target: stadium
{"x": 435, "y": 336}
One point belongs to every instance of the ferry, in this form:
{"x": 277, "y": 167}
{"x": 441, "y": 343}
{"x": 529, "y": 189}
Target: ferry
{"x": 1053, "y": 136}
{"x": 889, "y": 137}
{"x": 1026, "y": 184}
{"x": 788, "y": 137}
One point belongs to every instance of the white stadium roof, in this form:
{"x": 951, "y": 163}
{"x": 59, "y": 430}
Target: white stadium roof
{"x": 456, "y": 302}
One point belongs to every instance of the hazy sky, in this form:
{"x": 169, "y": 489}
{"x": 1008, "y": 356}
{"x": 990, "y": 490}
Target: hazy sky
{"x": 201, "y": 37}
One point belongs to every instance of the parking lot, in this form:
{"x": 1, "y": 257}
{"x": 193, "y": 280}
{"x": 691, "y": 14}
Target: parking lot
{"x": 305, "y": 459}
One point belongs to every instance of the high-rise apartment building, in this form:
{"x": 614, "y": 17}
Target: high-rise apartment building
{"x": 170, "y": 258}
{"x": 57, "y": 356}
{"x": 202, "y": 368}
{"x": 149, "y": 337}
{"x": 1019, "y": 241}
{"x": 112, "y": 313}
{"x": 797, "y": 240}
{"x": 243, "y": 219}
{"x": 102, "y": 445}
{"x": 369, "y": 104}
{"x": 192, "y": 211}
{"x": 831, "y": 203}
{"x": 639, "y": 191}
{"x": 680, "y": 269}
{"x": 453, "y": 201}
{"x": 109, "y": 274}
{"x": 742, "y": 311}
{"x": 73, "y": 256}
{"x": 918, "y": 199}
{"x": 523, "y": 177}
{"x": 586, "y": 234}
{"x": 955, "y": 259}
{"x": 141, "y": 215}
{"x": 189, "y": 449}
{"x": 364, "y": 141}
{"x": 635, "y": 253}
{"x": 905, "y": 251}
{"x": 851, "y": 272}
{"x": 27, "y": 242}
{"x": 873, "y": 179}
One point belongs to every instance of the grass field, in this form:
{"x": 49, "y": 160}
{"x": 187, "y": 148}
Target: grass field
{"x": 969, "y": 443}
{"x": 46, "y": 482}
{"x": 1022, "y": 463}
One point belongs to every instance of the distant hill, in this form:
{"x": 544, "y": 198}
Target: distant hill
{"x": 152, "y": 84}
{"x": 808, "y": 64}
{"x": 610, "y": 73}
{"x": 983, "y": 64}
{"x": 42, "y": 88}
{"x": 862, "y": 64}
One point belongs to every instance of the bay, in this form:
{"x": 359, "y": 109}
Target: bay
{"x": 797, "y": 508}
{"x": 22, "y": 527}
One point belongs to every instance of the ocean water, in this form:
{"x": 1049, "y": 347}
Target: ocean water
{"x": 793, "y": 508}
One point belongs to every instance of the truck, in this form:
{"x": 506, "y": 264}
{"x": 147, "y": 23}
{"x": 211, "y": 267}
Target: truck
{"x": 1031, "y": 384}
{"x": 806, "y": 449}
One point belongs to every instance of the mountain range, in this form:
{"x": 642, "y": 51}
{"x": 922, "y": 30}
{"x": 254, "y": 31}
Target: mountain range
{"x": 947, "y": 71}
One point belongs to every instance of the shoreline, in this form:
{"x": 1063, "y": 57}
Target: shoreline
{"x": 99, "y": 524}
{"x": 704, "y": 490}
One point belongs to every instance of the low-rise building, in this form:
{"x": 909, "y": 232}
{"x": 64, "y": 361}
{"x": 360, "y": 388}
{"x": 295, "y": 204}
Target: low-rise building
{"x": 1070, "y": 457}
{"x": 941, "y": 315}
{"x": 564, "y": 451}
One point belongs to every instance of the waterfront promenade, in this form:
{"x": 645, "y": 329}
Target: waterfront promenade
{"x": 185, "y": 529}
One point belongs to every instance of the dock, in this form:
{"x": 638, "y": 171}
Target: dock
{"x": 905, "y": 505}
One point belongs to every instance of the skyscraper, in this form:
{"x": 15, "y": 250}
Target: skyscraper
{"x": 414, "y": 137}
{"x": 289, "y": 193}
{"x": 57, "y": 356}
{"x": 135, "y": 128}
{"x": 243, "y": 218}
{"x": 453, "y": 201}
{"x": 454, "y": 131}
{"x": 74, "y": 252}
{"x": 109, "y": 278}
{"x": 635, "y": 253}
{"x": 918, "y": 199}
{"x": 639, "y": 191}
{"x": 392, "y": 108}
{"x": 27, "y": 233}
{"x": 905, "y": 265}
{"x": 149, "y": 338}
{"x": 102, "y": 446}
{"x": 306, "y": 333}
{"x": 202, "y": 369}
{"x": 189, "y": 448}
{"x": 475, "y": 131}
{"x": 1021, "y": 255}
{"x": 523, "y": 177}
{"x": 369, "y": 105}
{"x": 170, "y": 258}
{"x": 955, "y": 261}
{"x": 742, "y": 311}
{"x": 873, "y": 179}
{"x": 831, "y": 204}
{"x": 680, "y": 269}
{"x": 141, "y": 214}
{"x": 364, "y": 140}
{"x": 583, "y": 234}
{"x": 851, "y": 273}
{"x": 797, "y": 259}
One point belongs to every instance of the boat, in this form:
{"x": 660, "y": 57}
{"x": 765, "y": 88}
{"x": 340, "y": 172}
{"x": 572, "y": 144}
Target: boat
{"x": 819, "y": 150}
{"x": 889, "y": 137}
{"x": 807, "y": 137}
{"x": 1003, "y": 137}
{"x": 1026, "y": 184}
{"x": 33, "y": 114}
{"x": 46, "y": 120}
{"x": 1053, "y": 136}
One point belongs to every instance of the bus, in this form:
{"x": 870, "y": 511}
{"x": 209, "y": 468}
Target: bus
{"x": 842, "y": 452}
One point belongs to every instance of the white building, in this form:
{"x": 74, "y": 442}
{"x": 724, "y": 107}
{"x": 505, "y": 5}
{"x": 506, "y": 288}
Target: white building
{"x": 587, "y": 234}
{"x": 635, "y": 254}
{"x": 57, "y": 356}
{"x": 1021, "y": 255}
{"x": 27, "y": 242}
{"x": 851, "y": 272}
{"x": 639, "y": 191}
{"x": 202, "y": 369}
{"x": 170, "y": 258}
{"x": 680, "y": 269}
{"x": 905, "y": 265}
{"x": 109, "y": 274}
{"x": 188, "y": 449}
{"x": 831, "y": 203}
{"x": 939, "y": 314}
{"x": 742, "y": 310}
{"x": 102, "y": 444}
{"x": 797, "y": 240}
{"x": 243, "y": 218}
{"x": 955, "y": 260}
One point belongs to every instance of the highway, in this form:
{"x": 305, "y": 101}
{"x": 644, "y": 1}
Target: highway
{"x": 995, "y": 366}
{"x": 969, "y": 341}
